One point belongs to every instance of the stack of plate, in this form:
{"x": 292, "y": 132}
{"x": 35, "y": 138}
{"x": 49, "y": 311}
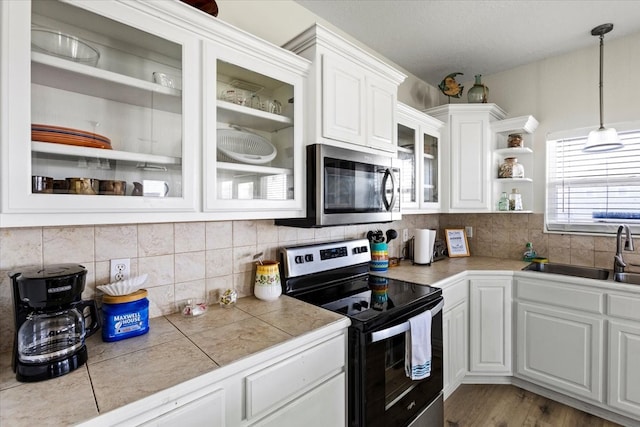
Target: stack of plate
{"x": 68, "y": 136}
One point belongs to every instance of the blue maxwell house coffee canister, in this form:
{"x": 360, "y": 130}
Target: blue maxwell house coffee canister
{"x": 125, "y": 316}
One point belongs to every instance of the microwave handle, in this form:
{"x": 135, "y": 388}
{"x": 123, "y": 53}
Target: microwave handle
{"x": 402, "y": 327}
{"x": 388, "y": 173}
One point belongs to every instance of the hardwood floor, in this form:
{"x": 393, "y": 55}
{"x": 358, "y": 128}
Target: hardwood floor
{"x": 498, "y": 405}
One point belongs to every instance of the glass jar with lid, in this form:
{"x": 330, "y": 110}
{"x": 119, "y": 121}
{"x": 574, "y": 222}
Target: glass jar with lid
{"x": 514, "y": 140}
{"x": 510, "y": 168}
{"x": 515, "y": 200}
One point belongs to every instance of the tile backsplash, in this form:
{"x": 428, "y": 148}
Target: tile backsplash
{"x": 198, "y": 259}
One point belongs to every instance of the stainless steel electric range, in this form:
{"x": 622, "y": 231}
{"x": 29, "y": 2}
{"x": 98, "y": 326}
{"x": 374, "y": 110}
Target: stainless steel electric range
{"x": 335, "y": 276}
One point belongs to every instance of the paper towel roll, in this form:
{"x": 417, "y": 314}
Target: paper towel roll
{"x": 423, "y": 250}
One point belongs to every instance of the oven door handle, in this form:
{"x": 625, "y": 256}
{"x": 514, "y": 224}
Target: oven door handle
{"x": 402, "y": 327}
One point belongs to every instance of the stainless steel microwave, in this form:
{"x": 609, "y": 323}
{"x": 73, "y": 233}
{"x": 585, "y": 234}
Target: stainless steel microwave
{"x": 348, "y": 187}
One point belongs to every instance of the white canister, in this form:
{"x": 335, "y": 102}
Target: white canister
{"x": 423, "y": 248}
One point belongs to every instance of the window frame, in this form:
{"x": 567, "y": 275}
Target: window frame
{"x": 602, "y": 227}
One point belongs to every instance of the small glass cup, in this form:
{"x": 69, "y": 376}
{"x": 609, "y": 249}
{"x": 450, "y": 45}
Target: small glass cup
{"x": 228, "y": 298}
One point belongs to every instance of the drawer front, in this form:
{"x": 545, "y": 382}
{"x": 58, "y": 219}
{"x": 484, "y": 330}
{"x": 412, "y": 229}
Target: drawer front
{"x": 323, "y": 406}
{"x": 455, "y": 294}
{"x": 560, "y": 294}
{"x": 279, "y": 383}
{"x": 624, "y": 306}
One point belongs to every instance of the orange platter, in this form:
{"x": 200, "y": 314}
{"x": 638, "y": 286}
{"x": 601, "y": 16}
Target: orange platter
{"x": 68, "y": 136}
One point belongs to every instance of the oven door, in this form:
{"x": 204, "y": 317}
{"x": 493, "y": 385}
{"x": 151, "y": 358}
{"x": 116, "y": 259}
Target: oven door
{"x": 392, "y": 398}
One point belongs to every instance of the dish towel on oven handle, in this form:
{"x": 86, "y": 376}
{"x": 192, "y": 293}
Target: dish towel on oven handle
{"x": 417, "y": 360}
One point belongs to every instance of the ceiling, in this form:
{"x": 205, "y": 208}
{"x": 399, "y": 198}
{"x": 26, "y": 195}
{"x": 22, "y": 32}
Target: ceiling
{"x": 433, "y": 38}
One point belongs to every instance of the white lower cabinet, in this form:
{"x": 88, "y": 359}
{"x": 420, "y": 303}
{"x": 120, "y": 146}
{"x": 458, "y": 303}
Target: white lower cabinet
{"x": 561, "y": 349}
{"x": 455, "y": 333}
{"x": 301, "y": 382}
{"x": 490, "y": 326}
{"x": 624, "y": 353}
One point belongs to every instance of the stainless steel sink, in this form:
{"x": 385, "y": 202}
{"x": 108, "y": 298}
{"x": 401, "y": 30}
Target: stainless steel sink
{"x": 630, "y": 278}
{"x": 569, "y": 270}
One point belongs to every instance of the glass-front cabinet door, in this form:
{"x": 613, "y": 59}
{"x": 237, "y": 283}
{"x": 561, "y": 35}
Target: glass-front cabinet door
{"x": 101, "y": 116}
{"x": 253, "y": 131}
{"x": 430, "y": 174}
{"x": 407, "y": 137}
{"x": 418, "y": 151}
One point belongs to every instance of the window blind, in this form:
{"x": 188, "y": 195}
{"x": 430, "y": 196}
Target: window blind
{"x": 592, "y": 192}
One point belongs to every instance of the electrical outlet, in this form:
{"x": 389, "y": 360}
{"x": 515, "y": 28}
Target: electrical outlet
{"x": 469, "y": 231}
{"x": 120, "y": 269}
{"x": 405, "y": 235}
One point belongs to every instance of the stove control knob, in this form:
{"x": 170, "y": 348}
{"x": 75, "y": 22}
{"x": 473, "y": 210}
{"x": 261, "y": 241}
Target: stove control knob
{"x": 357, "y": 306}
{"x": 364, "y": 249}
{"x": 308, "y": 257}
{"x": 298, "y": 259}
{"x": 365, "y": 304}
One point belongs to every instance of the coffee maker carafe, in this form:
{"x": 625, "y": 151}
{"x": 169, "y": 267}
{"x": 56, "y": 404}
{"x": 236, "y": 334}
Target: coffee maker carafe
{"x": 51, "y": 321}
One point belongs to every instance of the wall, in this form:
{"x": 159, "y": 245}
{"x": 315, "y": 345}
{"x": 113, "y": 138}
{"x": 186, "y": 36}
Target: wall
{"x": 280, "y": 21}
{"x": 191, "y": 260}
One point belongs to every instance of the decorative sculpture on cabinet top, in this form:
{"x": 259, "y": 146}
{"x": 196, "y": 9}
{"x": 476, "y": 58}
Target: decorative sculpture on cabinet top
{"x": 450, "y": 87}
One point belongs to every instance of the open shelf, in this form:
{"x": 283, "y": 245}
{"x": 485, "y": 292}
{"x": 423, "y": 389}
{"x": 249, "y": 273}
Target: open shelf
{"x": 244, "y": 116}
{"x": 79, "y": 78}
{"x": 101, "y": 153}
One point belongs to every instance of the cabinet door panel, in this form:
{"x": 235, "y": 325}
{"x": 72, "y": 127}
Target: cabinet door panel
{"x": 490, "y": 326}
{"x": 624, "y": 370}
{"x": 469, "y": 174}
{"x": 381, "y": 112}
{"x": 454, "y": 330}
{"x": 561, "y": 349}
{"x": 342, "y": 101}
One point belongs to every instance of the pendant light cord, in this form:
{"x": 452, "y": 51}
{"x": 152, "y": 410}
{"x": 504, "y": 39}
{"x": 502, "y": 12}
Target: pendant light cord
{"x": 601, "y": 85}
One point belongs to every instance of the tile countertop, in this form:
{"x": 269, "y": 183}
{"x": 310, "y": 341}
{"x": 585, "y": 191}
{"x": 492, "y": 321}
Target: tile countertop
{"x": 444, "y": 269}
{"x": 177, "y": 349}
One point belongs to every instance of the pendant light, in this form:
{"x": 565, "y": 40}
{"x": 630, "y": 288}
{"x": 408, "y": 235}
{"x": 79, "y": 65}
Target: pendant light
{"x": 602, "y": 139}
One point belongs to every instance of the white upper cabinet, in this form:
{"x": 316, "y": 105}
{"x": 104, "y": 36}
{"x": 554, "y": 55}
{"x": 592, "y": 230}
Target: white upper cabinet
{"x": 253, "y": 130}
{"x": 474, "y": 146}
{"x": 467, "y": 141}
{"x": 352, "y": 94}
{"x": 419, "y": 154}
{"x": 131, "y": 135}
{"x": 97, "y": 132}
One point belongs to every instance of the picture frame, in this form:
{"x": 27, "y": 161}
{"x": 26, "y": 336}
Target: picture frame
{"x": 457, "y": 244}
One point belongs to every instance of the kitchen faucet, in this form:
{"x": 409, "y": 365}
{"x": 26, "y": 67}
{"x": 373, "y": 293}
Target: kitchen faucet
{"x": 618, "y": 262}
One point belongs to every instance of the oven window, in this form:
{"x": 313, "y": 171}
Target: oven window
{"x": 391, "y": 398}
{"x": 397, "y": 384}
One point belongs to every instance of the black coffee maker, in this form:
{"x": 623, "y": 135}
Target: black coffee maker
{"x": 51, "y": 320}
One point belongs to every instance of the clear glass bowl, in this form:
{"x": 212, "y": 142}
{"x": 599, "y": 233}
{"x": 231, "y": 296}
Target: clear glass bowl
{"x": 64, "y": 46}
